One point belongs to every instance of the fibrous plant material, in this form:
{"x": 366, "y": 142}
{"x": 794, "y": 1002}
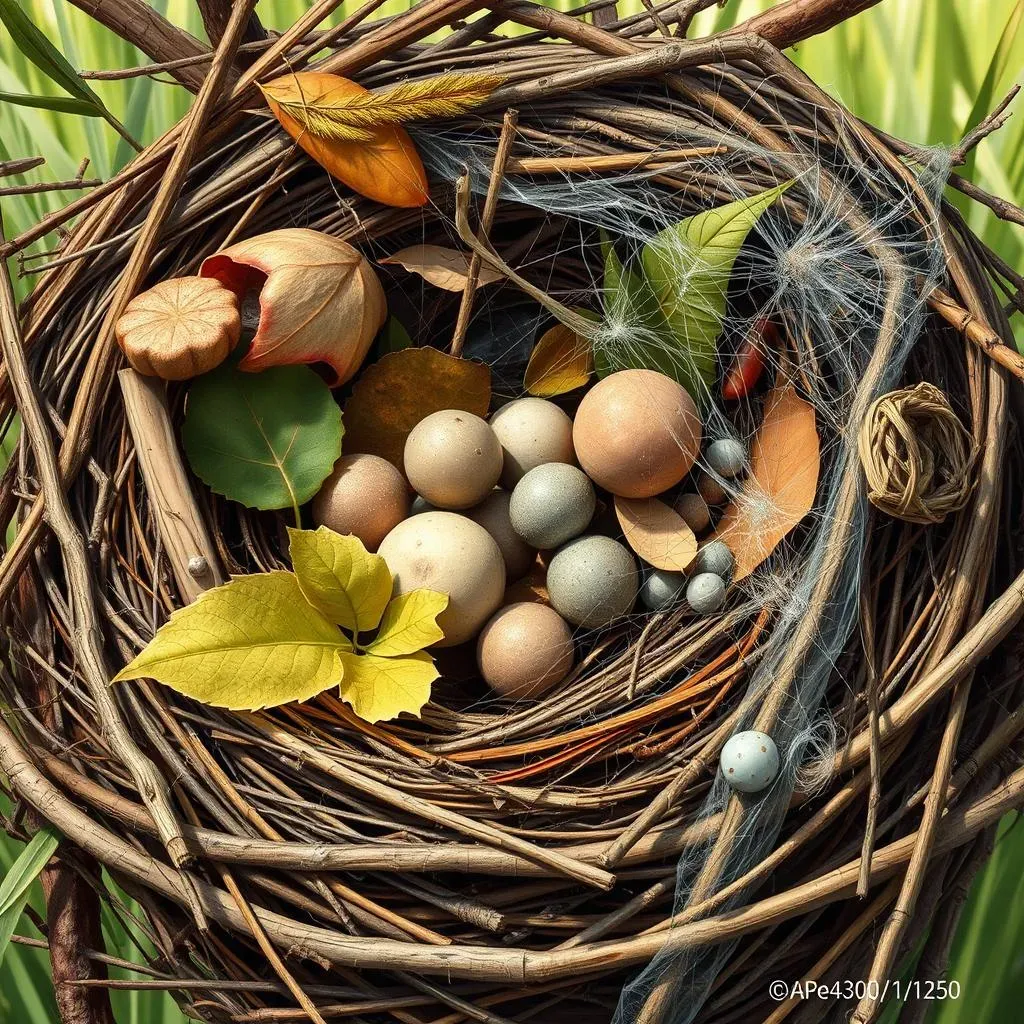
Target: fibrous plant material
{"x": 538, "y": 854}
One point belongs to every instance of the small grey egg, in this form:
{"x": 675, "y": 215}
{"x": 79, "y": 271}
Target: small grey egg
{"x": 592, "y": 581}
{"x": 726, "y": 457}
{"x": 711, "y": 490}
{"x": 749, "y": 761}
{"x": 714, "y": 557}
{"x": 551, "y": 504}
{"x": 419, "y": 505}
{"x": 705, "y": 593}
{"x": 662, "y": 589}
{"x": 694, "y": 510}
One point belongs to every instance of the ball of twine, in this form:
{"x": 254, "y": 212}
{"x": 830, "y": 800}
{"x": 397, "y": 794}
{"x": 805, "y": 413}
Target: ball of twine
{"x": 917, "y": 455}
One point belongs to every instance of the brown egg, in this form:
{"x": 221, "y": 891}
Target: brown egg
{"x": 492, "y": 515}
{"x": 532, "y": 432}
{"x": 637, "y": 433}
{"x": 365, "y": 496}
{"x": 452, "y": 459}
{"x": 525, "y": 650}
{"x": 450, "y": 553}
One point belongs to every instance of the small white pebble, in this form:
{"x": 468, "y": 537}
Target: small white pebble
{"x": 694, "y": 510}
{"x": 705, "y": 593}
{"x": 726, "y": 457}
{"x": 711, "y": 490}
{"x": 715, "y": 557}
{"x": 750, "y": 761}
{"x": 662, "y": 589}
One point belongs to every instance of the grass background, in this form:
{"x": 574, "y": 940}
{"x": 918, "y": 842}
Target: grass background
{"x": 921, "y": 69}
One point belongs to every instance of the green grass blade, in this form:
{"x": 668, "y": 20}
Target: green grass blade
{"x": 60, "y": 104}
{"x": 26, "y": 868}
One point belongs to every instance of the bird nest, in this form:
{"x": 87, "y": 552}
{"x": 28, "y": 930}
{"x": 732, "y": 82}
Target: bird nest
{"x": 578, "y": 856}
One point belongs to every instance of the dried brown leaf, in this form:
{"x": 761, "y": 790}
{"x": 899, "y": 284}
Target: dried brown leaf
{"x": 657, "y": 533}
{"x": 441, "y": 267}
{"x": 394, "y": 394}
{"x": 561, "y": 361}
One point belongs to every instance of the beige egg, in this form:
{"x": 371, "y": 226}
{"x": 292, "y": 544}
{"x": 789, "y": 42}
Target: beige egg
{"x": 450, "y": 553}
{"x": 364, "y": 496}
{"x": 493, "y": 515}
{"x": 637, "y": 433}
{"x": 525, "y": 650}
{"x": 452, "y": 459}
{"x": 532, "y": 432}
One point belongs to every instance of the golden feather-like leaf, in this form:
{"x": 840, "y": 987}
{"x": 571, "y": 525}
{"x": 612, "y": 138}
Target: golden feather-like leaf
{"x": 352, "y": 118}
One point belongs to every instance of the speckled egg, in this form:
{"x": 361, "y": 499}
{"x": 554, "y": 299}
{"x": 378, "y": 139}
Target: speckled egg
{"x": 714, "y": 557}
{"x": 749, "y": 761}
{"x": 711, "y": 490}
{"x": 726, "y": 457}
{"x": 705, "y": 593}
{"x": 694, "y": 510}
{"x": 637, "y": 433}
{"x": 532, "y": 432}
{"x": 365, "y": 496}
{"x": 452, "y": 459}
{"x": 493, "y": 515}
{"x": 592, "y": 581}
{"x": 447, "y": 552}
{"x": 552, "y": 504}
{"x": 525, "y": 650}
{"x": 661, "y": 589}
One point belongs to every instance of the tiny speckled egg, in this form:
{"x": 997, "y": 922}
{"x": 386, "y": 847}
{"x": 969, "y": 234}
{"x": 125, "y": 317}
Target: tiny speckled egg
{"x": 532, "y": 432}
{"x": 552, "y": 504}
{"x": 446, "y": 552}
{"x": 726, "y": 457}
{"x": 592, "y": 581}
{"x": 636, "y": 433}
{"x": 525, "y": 650}
{"x": 492, "y": 514}
{"x": 714, "y": 557}
{"x": 662, "y": 589}
{"x": 694, "y": 510}
{"x": 750, "y": 761}
{"x": 453, "y": 459}
{"x": 711, "y": 490}
{"x": 705, "y": 593}
{"x": 365, "y": 496}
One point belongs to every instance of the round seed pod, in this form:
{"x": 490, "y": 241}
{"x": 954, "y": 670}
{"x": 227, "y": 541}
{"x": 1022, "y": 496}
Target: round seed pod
{"x": 552, "y": 504}
{"x": 694, "y": 510}
{"x": 525, "y": 650}
{"x": 493, "y": 515}
{"x": 749, "y": 761}
{"x": 726, "y": 457}
{"x": 662, "y": 589}
{"x": 705, "y": 593}
{"x": 714, "y": 557}
{"x": 592, "y": 581}
{"x": 711, "y": 490}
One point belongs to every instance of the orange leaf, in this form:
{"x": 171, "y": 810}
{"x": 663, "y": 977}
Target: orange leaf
{"x": 320, "y": 300}
{"x": 386, "y": 167}
{"x": 533, "y": 587}
{"x": 784, "y": 464}
{"x": 561, "y": 361}
{"x": 394, "y": 394}
{"x": 441, "y": 267}
{"x": 657, "y": 533}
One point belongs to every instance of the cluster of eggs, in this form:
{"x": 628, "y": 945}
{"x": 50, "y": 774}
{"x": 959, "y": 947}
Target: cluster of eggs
{"x": 490, "y": 496}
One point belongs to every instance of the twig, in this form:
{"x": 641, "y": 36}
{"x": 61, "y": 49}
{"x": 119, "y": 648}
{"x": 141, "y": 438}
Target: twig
{"x": 21, "y": 165}
{"x": 610, "y": 162}
{"x": 50, "y": 186}
{"x": 501, "y": 155}
{"x": 985, "y": 127}
{"x": 875, "y": 761}
{"x": 787, "y": 24}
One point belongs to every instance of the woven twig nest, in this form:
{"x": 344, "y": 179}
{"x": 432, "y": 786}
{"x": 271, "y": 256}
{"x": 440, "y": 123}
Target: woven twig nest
{"x": 500, "y": 862}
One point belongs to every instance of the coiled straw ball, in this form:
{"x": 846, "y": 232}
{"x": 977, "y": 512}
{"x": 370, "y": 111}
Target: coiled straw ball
{"x": 917, "y": 455}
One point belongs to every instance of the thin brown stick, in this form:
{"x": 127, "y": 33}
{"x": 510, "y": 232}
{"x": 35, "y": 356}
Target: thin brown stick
{"x": 986, "y": 126}
{"x": 501, "y": 154}
{"x": 20, "y": 166}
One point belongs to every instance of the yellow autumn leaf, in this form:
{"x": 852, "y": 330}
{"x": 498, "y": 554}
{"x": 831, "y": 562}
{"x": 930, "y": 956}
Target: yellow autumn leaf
{"x": 340, "y": 578}
{"x": 410, "y": 623}
{"x": 379, "y": 689}
{"x": 252, "y": 643}
{"x": 561, "y": 361}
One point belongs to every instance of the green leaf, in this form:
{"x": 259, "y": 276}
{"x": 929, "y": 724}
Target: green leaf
{"x": 267, "y": 440}
{"x": 61, "y": 104}
{"x": 41, "y": 52}
{"x": 23, "y": 872}
{"x": 252, "y": 643}
{"x": 379, "y": 689}
{"x": 410, "y": 623}
{"x": 688, "y": 266}
{"x": 393, "y": 337}
{"x": 340, "y": 578}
